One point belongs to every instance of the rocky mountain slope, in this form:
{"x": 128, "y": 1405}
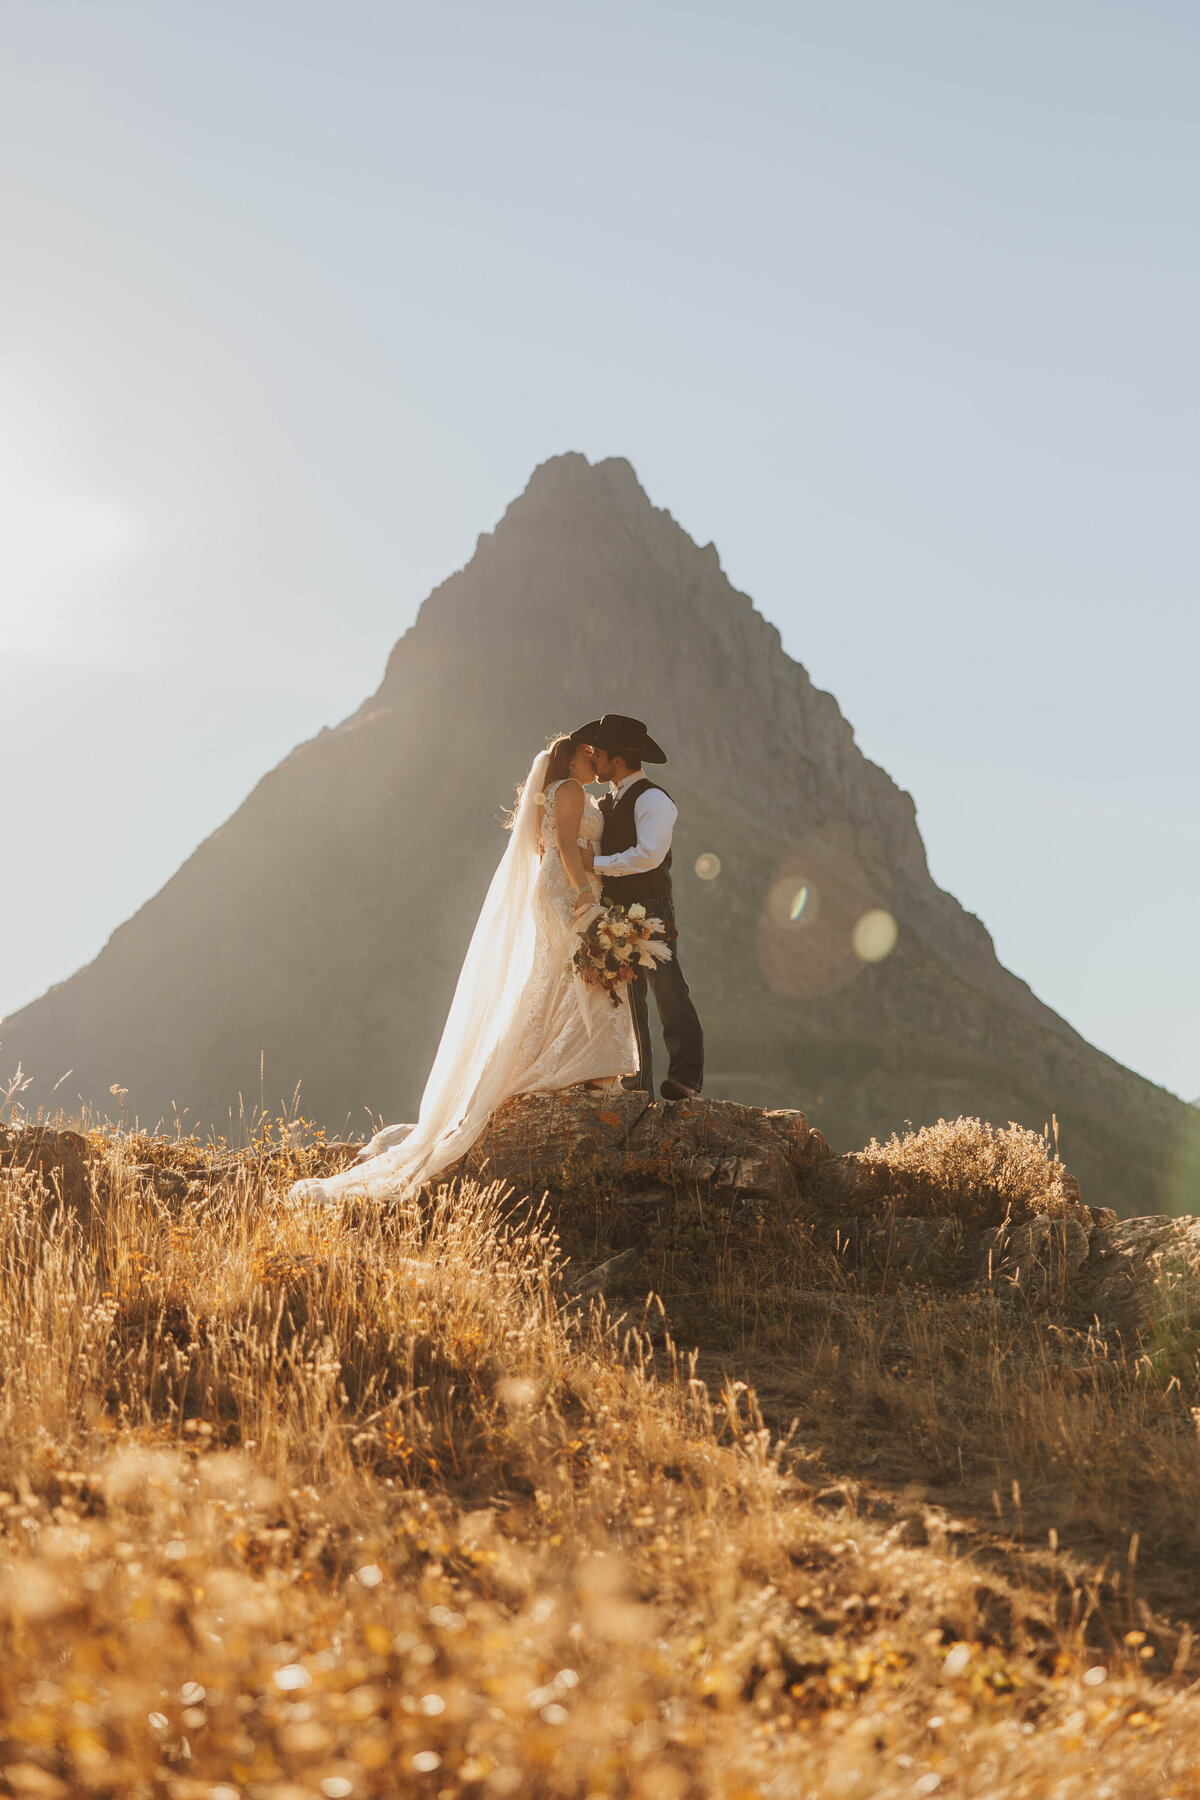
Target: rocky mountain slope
{"x": 321, "y": 927}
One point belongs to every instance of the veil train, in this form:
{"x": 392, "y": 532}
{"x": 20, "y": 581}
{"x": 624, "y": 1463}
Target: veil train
{"x": 475, "y": 1059}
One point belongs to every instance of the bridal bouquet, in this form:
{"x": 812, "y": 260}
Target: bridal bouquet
{"x": 616, "y": 945}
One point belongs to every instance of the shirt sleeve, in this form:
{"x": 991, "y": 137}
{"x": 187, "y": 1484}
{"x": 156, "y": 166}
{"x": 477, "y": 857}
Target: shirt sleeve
{"x": 654, "y": 815}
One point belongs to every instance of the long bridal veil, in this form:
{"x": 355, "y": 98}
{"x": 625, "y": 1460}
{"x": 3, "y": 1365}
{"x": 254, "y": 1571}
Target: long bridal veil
{"x": 470, "y": 1072}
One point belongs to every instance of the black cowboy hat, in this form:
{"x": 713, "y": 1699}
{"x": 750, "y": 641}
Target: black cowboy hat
{"x": 620, "y": 736}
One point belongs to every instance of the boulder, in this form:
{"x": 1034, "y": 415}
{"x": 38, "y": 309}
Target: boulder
{"x": 1145, "y": 1274}
{"x": 1036, "y": 1260}
{"x": 628, "y": 1146}
{"x": 63, "y": 1161}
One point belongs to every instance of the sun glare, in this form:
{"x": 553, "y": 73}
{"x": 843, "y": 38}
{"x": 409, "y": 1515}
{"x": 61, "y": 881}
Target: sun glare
{"x": 55, "y": 548}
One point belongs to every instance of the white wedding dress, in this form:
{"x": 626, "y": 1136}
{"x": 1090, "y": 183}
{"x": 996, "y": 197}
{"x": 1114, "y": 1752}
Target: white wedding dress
{"x": 521, "y": 1021}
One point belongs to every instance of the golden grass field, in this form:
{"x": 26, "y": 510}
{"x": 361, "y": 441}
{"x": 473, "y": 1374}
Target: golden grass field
{"x": 299, "y": 1504}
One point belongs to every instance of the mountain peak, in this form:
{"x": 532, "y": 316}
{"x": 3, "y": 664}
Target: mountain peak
{"x": 570, "y": 480}
{"x": 571, "y": 470}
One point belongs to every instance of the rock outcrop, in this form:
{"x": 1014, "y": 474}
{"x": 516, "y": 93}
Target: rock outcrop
{"x": 321, "y": 928}
{"x": 640, "y": 1160}
{"x": 627, "y": 1147}
{"x": 1145, "y": 1275}
{"x": 62, "y": 1163}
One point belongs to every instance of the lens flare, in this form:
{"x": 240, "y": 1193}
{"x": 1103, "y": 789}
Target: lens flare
{"x": 793, "y": 901}
{"x": 875, "y": 936}
{"x": 809, "y": 938}
{"x": 708, "y": 866}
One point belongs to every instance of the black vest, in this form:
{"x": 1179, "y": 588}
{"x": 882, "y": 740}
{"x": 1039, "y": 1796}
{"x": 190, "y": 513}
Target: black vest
{"x": 652, "y": 887}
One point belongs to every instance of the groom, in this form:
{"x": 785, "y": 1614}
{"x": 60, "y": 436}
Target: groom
{"x": 634, "y": 864}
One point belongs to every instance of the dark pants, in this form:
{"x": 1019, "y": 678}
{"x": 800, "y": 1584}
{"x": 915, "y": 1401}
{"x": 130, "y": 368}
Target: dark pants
{"x": 681, "y": 1027}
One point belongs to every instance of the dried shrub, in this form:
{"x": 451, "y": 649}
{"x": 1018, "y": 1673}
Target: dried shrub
{"x": 981, "y": 1173}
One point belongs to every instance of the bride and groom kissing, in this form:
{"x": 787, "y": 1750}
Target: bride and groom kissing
{"x": 521, "y": 1020}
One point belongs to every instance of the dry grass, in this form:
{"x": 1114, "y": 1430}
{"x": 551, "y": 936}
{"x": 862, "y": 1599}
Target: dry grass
{"x": 298, "y": 1505}
{"x": 979, "y": 1172}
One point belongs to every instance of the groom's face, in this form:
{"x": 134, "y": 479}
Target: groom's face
{"x": 604, "y": 765}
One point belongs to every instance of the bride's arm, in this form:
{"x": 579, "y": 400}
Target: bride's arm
{"x": 568, "y": 813}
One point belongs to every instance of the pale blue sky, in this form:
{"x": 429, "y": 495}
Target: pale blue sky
{"x": 896, "y": 303}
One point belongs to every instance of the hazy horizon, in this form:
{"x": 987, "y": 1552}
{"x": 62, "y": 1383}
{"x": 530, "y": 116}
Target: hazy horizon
{"x": 897, "y": 311}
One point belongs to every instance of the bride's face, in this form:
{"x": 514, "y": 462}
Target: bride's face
{"x": 583, "y": 764}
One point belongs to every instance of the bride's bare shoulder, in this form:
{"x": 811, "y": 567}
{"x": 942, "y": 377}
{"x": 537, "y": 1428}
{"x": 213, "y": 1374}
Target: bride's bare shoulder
{"x": 559, "y": 791}
{"x": 568, "y": 797}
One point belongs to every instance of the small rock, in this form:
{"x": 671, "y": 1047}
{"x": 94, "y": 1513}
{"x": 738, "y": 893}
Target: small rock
{"x": 168, "y": 1184}
{"x": 1036, "y": 1259}
{"x": 910, "y": 1246}
{"x": 599, "y": 1280}
{"x": 912, "y": 1530}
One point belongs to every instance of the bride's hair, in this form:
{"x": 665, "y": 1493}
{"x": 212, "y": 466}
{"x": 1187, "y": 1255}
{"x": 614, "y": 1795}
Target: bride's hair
{"x": 560, "y": 751}
{"x": 558, "y": 754}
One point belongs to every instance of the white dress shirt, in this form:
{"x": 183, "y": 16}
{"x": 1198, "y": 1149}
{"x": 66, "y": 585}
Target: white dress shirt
{"x": 654, "y": 816}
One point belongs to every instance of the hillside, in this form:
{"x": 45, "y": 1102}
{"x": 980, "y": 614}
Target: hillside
{"x": 316, "y": 935}
{"x": 423, "y": 1501}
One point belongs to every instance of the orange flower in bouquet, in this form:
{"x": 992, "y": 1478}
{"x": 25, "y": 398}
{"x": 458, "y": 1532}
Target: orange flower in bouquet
{"x": 616, "y": 944}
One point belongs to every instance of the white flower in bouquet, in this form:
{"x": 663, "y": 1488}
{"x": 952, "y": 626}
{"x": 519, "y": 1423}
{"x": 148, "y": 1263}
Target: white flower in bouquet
{"x": 616, "y": 945}
{"x": 655, "y": 951}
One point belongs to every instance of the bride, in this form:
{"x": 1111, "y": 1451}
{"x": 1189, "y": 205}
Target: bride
{"x": 521, "y": 1021}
